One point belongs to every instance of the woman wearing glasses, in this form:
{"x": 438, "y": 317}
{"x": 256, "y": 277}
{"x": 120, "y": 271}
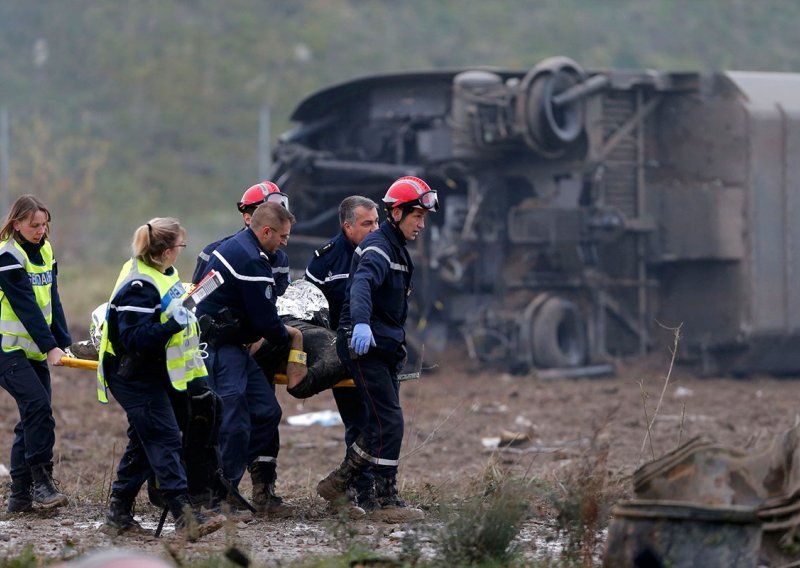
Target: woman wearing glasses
{"x": 148, "y": 351}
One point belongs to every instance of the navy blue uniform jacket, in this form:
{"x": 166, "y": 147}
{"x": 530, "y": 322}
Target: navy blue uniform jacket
{"x": 378, "y": 287}
{"x": 279, "y": 261}
{"x": 329, "y": 270}
{"x": 248, "y": 291}
{"x": 135, "y": 328}
{"x": 16, "y": 285}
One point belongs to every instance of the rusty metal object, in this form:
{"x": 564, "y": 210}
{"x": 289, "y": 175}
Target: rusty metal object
{"x": 663, "y": 533}
{"x": 705, "y": 473}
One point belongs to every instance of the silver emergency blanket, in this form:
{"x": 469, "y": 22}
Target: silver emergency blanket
{"x": 301, "y": 300}
{"x": 96, "y": 326}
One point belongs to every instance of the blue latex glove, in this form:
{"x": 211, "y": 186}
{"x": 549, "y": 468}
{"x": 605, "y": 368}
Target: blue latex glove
{"x": 362, "y": 339}
{"x": 176, "y": 311}
{"x": 181, "y": 315}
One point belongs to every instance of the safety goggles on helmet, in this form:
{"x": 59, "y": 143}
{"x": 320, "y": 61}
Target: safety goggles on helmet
{"x": 281, "y": 198}
{"x": 429, "y": 200}
{"x": 411, "y": 191}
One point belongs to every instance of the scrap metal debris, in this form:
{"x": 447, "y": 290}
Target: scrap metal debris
{"x": 706, "y": 473}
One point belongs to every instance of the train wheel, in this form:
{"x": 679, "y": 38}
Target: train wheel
{"x": 558, "y": 335}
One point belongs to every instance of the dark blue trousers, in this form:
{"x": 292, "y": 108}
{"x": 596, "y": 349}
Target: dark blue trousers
{"x": 34, "y": 435}
{"x": 275, "y": 444}
{"x": 154, "y": 439}
{"x": 352, "y": 410}
{"x": 250, "y": 411}
{"x": 354, "y": 416}
{"x": 375, "y": 375}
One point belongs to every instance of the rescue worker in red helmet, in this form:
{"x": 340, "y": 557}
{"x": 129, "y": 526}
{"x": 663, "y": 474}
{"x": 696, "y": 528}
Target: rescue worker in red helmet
{"x": 371, "y": 343}
{"x": 329, "y": 270}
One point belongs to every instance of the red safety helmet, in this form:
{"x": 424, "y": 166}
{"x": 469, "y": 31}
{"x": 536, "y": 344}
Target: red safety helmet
{"x": 410, "y": 190}
{"x": 261, "y": 193}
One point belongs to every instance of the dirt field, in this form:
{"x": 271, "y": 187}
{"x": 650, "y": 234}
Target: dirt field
{"x": 449, "y": 414}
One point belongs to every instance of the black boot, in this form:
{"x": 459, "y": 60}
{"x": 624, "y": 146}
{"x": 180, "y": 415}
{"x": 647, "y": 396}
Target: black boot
{"x": 44, "y": 488}
{"x": 360, "y": 497}
{"x": 364, "y": 497}
{"x": 391, "y": 507}
{"x": 20, "y": 500}
{"x": 334, "y": 487}
{"x": 386, "y": 491}
{"x": 264, "y": 475}
{"x": 120, "y": 514}
{"x": 192, "y": 524}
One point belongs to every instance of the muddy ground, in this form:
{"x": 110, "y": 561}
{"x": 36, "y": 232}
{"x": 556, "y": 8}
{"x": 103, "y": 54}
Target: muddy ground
{"x": 451, "y": 415}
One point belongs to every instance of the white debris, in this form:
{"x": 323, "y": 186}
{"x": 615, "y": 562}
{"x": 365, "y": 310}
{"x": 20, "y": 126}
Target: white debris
{"x": 491, "y": 408}
{"x": 321, "y": 418}
{"x": 4, "y": 471}
{"x": 522, "y": 421}
{"x": 683, "y": 392}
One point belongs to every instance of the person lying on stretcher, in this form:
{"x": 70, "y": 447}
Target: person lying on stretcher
{"x": 302, "y": 306}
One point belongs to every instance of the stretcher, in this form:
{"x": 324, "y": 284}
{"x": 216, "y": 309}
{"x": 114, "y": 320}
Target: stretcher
{"x": 280, "y": 378}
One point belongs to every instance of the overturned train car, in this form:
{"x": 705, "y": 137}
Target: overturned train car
{"x": 582, "y": 210}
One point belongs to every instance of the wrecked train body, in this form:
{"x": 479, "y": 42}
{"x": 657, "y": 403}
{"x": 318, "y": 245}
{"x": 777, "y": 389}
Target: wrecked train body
{"x": 581, "y": 210}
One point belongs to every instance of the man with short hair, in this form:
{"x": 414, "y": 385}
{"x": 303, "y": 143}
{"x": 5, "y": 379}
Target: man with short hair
{"x": 255, "y": 195}
{"x": 240, "y": 312}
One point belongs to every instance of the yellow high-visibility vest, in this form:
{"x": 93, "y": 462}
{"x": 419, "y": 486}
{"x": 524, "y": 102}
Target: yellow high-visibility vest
{"x": 184, "y": 359}
{"x": 15, "y": 336}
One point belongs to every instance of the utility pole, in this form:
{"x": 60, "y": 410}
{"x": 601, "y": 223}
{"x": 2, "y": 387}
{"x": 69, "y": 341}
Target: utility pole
{"x": 4, "y": 160}
{"x": 264, "y": 150}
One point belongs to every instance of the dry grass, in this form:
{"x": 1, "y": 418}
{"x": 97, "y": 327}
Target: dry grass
{"x": 580, "y": 501}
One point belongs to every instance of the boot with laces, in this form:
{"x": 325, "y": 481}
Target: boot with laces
{"x": 21, "y": 499}
{"x": 119, "y": 517}
{"x": 334, "y": 487}
{"x": 362, "y": 501}
{"x": 265, "y": 500}
{"x": 391, "y": 507}
{"x": 44, "y": 487}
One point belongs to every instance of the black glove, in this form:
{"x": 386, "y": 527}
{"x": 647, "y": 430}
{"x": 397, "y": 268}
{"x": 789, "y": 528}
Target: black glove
{"x": 198, "y": 387}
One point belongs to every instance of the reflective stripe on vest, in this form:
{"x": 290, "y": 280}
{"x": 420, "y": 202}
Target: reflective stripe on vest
{"x": 15, "y": 336}
{"x": 184, "y": 360}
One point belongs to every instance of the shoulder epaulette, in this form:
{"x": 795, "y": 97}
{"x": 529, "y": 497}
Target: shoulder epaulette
{"x": 323, "y": 250}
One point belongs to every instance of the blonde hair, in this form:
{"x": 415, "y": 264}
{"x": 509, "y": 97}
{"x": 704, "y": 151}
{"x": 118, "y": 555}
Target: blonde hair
{"x": 24, "y": 207}
{"x": 154, "y": 237}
